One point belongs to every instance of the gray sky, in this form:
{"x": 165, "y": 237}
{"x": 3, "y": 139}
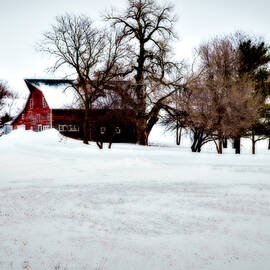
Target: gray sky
{"x": 23, "y": 22}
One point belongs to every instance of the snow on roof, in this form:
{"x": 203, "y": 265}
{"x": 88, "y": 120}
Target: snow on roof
{"x": 58, "y": 94}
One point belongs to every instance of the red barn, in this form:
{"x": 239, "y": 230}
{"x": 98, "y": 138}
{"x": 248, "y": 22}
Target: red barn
{"x": 50, "y": 104}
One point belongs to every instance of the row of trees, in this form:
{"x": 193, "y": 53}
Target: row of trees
{"x": 226, "y": 100}
{"x": 133, "y": 59}
{"x": 221, "y": 98}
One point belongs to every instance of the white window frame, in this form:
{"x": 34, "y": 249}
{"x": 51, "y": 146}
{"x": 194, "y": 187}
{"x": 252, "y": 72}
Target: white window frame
{"x": 117, "y": 130}
{"x": 31, "y": 103}
{"x": 102, "y": 130}
{"x": 74, "y": 128}
{"x": 61, "y": 127}
{"x": 68, "y": 128}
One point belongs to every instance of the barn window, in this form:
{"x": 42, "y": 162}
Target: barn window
{"x": 31, "y": 103}
{"x": 44, "y": 102}
{"x": 46, "y": 127}
{"x": 22, "y": 116}
{"x": 74, "y": 128}
{"x": 39, "y": 128}
{"x": 117, "y": 130}
{"x": 68, "y": 128}
{"x": 102, "y": 130}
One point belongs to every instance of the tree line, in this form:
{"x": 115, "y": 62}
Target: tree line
{"x": 227, "y": 98}
{"x": 222, "y": 96}
{"x": 130, "y": 59}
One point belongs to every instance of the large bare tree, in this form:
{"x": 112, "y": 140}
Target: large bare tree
{"x": 93, "y": 55}
{"x": 147, "y": 29}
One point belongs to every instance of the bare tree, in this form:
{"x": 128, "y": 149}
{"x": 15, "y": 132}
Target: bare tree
{"x": 5, "y": 93}
{"x": 218, "y": 104}
{"x": 233, "y": 106}
{"x": 92, "y": 54}
{"x": 6, "y": 100}
{"x": 147, "y": 28}
{"x": 196, "y": 109}
{"x": 173, "y": 120}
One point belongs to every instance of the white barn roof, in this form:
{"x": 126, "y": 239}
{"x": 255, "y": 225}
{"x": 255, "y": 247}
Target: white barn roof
{"x": 58, "y": 94}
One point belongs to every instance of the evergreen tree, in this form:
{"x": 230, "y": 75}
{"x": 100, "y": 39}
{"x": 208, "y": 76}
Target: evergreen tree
{"x": 254, "y": 60}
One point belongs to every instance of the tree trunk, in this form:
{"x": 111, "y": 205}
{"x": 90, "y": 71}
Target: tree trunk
{"x": 197, "y": 142}
{"x": 253, "y": 143}
{"x": 193, "y": 146}
{"x": 99, "y": 144}
{"x": 151, "y": 120}
{"x": 142, "y": 135}
{"x": 225, "y": 143}
{"x": 178, "y": 134}
{"x": 253, "y": 147}
{"x": 199, "y": 145}
{"x": 237, "y": 143}
{"x": 220, "y": 146}
{"x": 111, "y": 140}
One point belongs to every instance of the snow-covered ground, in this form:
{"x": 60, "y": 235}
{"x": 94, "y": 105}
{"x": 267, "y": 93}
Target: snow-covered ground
{"x": 65, "y": 205}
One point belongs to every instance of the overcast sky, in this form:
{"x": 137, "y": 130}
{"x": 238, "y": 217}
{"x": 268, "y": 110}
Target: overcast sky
{"x": 22, "y": 23}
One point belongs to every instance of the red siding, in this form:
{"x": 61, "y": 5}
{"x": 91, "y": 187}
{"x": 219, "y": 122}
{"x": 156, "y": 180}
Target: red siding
{"x": 35, "y": 116}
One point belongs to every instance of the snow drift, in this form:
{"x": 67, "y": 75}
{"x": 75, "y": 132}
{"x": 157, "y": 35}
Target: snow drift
{"x": 65, "y": 205}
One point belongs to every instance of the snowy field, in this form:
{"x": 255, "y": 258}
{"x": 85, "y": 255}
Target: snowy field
{"x": 65, "y": 205}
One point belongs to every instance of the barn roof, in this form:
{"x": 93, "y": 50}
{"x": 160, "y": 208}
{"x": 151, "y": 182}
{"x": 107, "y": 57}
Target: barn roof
{"x": 58, "y": 94}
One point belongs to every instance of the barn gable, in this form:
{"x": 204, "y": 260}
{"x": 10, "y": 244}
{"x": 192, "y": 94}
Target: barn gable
{"x": 36, "y": 114}
{"x": 45, "y": 95}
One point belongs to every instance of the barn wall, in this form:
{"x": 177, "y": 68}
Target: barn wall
{"x": 36, "y": 116}
{"x": 98, "y": 119}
